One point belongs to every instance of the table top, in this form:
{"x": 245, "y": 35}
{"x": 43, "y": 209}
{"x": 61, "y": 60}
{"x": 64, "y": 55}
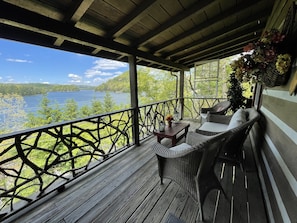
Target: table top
{"x": 174, "y": 130}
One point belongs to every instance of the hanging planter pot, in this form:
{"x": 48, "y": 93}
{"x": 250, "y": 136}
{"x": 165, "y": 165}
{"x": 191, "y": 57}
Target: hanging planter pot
{"x": 272, "y": 77}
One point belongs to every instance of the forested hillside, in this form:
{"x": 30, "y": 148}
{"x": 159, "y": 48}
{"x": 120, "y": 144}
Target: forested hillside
{"x": 34, "y": 88}
{"x": 120, "y": 83}
{"x": 153, "y": 85}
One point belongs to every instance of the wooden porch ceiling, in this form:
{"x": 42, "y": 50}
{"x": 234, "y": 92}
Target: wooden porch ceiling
{"x": 164, "y": 34}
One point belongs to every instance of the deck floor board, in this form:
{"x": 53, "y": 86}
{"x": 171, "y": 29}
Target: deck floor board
{"x": 127, "y": 188}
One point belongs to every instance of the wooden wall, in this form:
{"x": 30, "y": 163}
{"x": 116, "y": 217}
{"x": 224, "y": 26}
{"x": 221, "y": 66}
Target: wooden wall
{"x": 275, "y": 139}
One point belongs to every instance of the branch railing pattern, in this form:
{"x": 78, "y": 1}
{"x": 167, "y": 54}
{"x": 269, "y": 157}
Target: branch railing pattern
{"x": 150, "y": 116}
{"x": 35, "y": 162}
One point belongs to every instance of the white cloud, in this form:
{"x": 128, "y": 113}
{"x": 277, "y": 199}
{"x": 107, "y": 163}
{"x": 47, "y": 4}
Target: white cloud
{"x": 92, "y": 73}
{"x": 74, "y": 78}
{"x": 105, "y": 64}
{"x": 18, "y": 60}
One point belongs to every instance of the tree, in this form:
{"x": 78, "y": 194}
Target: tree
{"x": 12, "y": 113}
{"x": 70, "y": 110}
{"x": 155, "y": 85}
{"x": 45, "y": 115}
{"x": 234, "y": 93}
{"x": 109, "y": 104}
{"x": 45, "y": 110}
{"x": 85, "y": 111}
{"x": 96, "y": 107}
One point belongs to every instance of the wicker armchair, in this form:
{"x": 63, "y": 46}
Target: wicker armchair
{"x": 232, "y": 149}
{"x": 191, "y": 164}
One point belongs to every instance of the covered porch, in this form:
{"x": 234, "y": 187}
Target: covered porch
{"x": 127, "y": 188}
{"x": 168, "y": 35}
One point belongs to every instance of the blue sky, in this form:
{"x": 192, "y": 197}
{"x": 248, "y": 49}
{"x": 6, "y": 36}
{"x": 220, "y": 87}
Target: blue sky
{"x": 26, "y": 63}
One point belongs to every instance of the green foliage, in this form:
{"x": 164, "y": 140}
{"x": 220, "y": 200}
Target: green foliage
{"x": 120, "y": 83}
{"x": 34, "y": 88}
{"x": 108, "y": 103}
{"x": 234, "y": 93}
{"x": 11, "y": 112}
{"x": 153, "y": 85}
{"x": 97, "y": 107}
{"x": 70, "y": 110}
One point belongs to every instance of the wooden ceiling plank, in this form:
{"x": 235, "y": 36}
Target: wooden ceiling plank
{"x": 225, "y": 41}
{"x": 39, "y": 24}
{"x": 131, "y": 19}
{"x": 218, "y": 33}
{"x": 227, "y": 14}
{"x": 238, "y": 41}
{"x": 173, "y": 21}
{"x": 38, "y": 7}
{"x": 78, "y": 9}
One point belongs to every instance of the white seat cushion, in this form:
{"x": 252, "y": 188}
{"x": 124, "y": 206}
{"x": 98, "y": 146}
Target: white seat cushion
{"x": 238, "y": 118}
{"x": 213, "y": 127}
{"x": 181, "y": 147}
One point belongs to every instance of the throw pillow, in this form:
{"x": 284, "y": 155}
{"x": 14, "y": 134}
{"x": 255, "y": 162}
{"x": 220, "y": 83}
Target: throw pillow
{"x": 238, "y": 118}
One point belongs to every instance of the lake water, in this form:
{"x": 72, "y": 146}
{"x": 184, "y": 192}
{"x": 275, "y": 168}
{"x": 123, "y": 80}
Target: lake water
{"x": 83, "y": 97}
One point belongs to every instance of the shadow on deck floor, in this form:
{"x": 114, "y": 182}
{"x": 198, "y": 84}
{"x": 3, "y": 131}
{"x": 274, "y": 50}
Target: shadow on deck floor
{"x": 127, "y": 188}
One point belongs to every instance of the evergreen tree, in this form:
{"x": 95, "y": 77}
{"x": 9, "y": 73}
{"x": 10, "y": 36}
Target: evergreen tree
{"x": 234, "y": 93}
{"x": 85, "y": 111}
{"x": 96, "y": 107}
{"x": 70, "y": 110}
{"x": 45, "y": 111}
{"x": 109, "y": 104}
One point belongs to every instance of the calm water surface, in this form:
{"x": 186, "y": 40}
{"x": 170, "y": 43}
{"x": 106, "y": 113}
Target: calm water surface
{"x": 83, "y": 97}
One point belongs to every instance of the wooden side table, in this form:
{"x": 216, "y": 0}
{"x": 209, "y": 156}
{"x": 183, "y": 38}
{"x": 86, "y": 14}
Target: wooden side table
{"x": 172, "y": 132}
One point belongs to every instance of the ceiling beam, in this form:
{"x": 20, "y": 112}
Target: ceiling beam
{"x": 30, "y": 21}
{"x": 39, "y": 7}
{"x": 195, "y": 8}
{"x": 185, "y": 50}
{"x": 77, "y": 10}
{"x": 221, "y": 42}
{"x": 228, "y": 13}
{"x": 220, "y": 49}
{"x": 130, "y": 19}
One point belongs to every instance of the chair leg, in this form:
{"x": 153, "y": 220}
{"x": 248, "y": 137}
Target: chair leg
{"x": 199, "y": 217}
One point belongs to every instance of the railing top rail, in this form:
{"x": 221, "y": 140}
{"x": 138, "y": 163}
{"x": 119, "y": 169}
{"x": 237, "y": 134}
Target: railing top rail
{"x": 158, "y": 102}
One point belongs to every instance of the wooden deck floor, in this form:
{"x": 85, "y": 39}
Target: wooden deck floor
{"x": 127, "y": 189}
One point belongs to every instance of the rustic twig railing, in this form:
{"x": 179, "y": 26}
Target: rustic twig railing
{"x": 150, "y": 115}
{"x": 36, "y": 162}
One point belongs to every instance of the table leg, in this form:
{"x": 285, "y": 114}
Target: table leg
{"x": 159, "y": 138}
{"x": 186, "y": 131}
{"x": 174, "y": 141}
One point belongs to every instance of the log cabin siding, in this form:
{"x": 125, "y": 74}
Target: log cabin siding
{"x": 275, "y": 136}
{"x": 278, "y": 152}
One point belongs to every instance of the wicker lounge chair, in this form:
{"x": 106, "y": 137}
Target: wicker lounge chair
{"x": 191, "y": 165}
{"x": 239, "y": 124}
{"x": 220, "y": 108}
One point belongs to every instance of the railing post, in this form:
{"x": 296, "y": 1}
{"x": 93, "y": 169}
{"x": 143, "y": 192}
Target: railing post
{"x": 181, "y": 92}
{"x": 134, "y": 98}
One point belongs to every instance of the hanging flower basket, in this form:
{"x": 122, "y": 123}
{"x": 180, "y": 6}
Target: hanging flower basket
{"x": 265, "y": 61}
{"x": 272, "y": 77}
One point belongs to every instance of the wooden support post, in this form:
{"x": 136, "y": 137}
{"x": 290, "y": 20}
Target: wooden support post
{"x": 134, "y": 98}
{"x": 181, "y": 92}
